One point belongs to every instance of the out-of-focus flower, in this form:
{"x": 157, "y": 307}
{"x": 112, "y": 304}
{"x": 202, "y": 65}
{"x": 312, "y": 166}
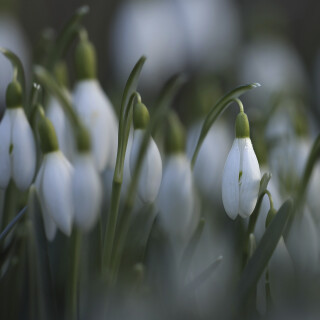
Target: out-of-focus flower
{"x": 176, "y": 199}
{"x": 211, "y": 158}
{"x": 17, "y": 147}
{"x": 62, "y": 127}
{"x": 151, "y": 171}
{"x": 202, "y": 33}
{"x": 273, "y": 63}
{"x": 94, "y": 108}
{"x": 53, "y": 184}
{"x": 241, "y": 175}
{"x": 86, "y": 191}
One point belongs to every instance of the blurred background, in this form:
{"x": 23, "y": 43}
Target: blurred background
{"x": 207, "y": 38}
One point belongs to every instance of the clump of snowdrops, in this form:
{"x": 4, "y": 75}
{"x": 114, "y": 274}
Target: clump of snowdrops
{"x": 99, "y": 219}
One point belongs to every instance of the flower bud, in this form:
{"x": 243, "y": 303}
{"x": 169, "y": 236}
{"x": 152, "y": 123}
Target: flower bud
{"x": 85, "y": 60}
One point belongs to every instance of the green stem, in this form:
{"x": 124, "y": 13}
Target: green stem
{"x": 111, "y": 225}
{"x": 75, "y": 275}
{"x": 216, "y": 111}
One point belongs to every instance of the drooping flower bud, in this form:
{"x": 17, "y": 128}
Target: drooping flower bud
{"x": 176, "y": 196}
{"x": 17, "y": 147}
{"x": 53, "y": 183}
{"x": 94, "y": 108}
{"x": 241, "y": 175}
{"x": 151, "y": 172}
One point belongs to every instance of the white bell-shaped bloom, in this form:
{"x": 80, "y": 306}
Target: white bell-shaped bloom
{"x": 17, "y": 149}
{"x": 176, "y": 198}
{"x": 97, "y": 114}
{"x": 151, "y": 171}
{"x": 212, "y": 156}
{"x": 86, "y": 191}
{"x": 54, "y": 188}
{"x": 241, "y": 179}
{"x": 62, "y": 127}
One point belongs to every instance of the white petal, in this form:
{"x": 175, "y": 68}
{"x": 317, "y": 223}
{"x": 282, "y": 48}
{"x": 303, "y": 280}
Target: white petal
{"x": 230, "y": 182}
{"x": 97, "y": 114}
{"x": 86, "y": 191}
{"x": 57, "y": 193}
{"x": 151, "y": 171}
{"x": 176, "y": 200}
{"x": 250, "y": 179}
{"x": 5, "y": 136}
{"x": 24, "y": 151}
{"x": 49, "y": 225}
{"x": 62, "y": 127}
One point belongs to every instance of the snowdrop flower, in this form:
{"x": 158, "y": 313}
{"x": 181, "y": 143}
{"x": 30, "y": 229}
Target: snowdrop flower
{"x": 86, "y": 186}
{"x": 94, "y": 108}
{"x": 53, "y": 184}
{"x": 151, "y": 171}
{"x": 62, "y": 127}
{"x": 241, "y": 174}
{"x": 17, "y": 147}
{"x": 208, "y": 168}
{"x": 176, "y": 200}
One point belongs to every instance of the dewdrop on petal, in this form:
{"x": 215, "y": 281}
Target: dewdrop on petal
{"x": 176, "y": 196}
{"x": 17, "y": 145}
{"x": 86, "y": 185}
{"x": 151, "y": 171}
{"x": 53, "y": 183}
{"x": 241, "y": 174}
{"x": 94, "y": 108}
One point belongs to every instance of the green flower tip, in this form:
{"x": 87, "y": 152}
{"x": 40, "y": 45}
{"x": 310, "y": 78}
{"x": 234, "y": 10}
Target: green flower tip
{"x": 140, "y": 116}
{"x": 83, "y": 139}
{"x": 61, "y": 73}
{"x": 85, "y": 60}
{"x": 14, "y": 95}
{"x": 48, "y": 138}
{"x": 175, "y": 135}
{"x": 242, "y": 126}
{"x": 271, "y": 214}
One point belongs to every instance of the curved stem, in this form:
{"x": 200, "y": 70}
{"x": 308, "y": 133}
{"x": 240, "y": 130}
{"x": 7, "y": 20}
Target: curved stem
{"x": 216, "y": 111}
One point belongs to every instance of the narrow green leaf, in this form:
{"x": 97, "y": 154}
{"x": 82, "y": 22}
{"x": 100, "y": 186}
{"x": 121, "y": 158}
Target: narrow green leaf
{"x": 254, "y": 216}
{"x": 17, "y": 64}
{"x": 49, "y": 83}
{"x": 129, "y": 89}
{"x": 66, "y": 35}
{"x": 13, "y": 222}
{"x": 264, "y": 183}
{"x": 262, "y": 254}
{"x": 216, "y": 111}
